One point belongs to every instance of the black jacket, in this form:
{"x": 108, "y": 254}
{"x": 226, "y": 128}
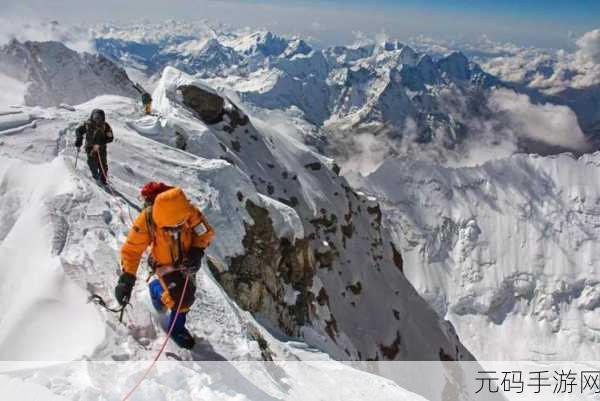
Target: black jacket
{"x": 94, "y": 134}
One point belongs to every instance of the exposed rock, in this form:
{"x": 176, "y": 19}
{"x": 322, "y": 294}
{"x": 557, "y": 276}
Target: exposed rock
{"x": 391, "y": 351}
{"x": 257, "y": 279}
{"x": 325, "y": 256}
{"x": 397, "y": 258}
{"x": 180, "y": 141}
{"x": 313, "y": 166}
{"x": 208, "y": 105}
{"x": 356, "y": 288}
{"x": 445, "y": 356}
{"x": 375, "y": 211}
{"x": 322, "y": 298}
{"x": 331, "y": 328}
{"x": 336, "y": 169}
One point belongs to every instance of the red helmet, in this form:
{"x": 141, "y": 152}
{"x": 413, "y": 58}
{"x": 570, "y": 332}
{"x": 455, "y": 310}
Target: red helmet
{"x": 151, "y": 190}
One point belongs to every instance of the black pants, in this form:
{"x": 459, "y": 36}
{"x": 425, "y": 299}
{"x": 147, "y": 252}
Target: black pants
{"x": 99, "y": 171}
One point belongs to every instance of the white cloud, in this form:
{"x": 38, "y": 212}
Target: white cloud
{"x": 589, "y": 47}
{"x": 34, "y": 29}
{"x": 368, "y": 152}
{"x": 548, "y": 70}
{"x": 12, "y": 92}
{"x": 548, "y": 123}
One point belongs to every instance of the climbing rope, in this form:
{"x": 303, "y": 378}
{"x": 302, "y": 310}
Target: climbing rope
{"x": 164, "y": 344}
{"x": 110, "y": 188}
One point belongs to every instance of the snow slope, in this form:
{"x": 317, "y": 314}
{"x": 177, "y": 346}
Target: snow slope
{"x": 37, "y": 294}
{"x": 504, "y": 250}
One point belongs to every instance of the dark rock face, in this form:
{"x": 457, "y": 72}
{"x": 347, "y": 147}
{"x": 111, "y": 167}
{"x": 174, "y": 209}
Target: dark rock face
{"x": 209, "y": 106}
{"x": 260, "y": 279}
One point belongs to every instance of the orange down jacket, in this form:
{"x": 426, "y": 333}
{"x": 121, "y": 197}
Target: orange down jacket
{"x": 171, "y": 208}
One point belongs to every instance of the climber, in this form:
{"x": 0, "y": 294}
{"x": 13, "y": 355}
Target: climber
{"x": 178, "y": 234}
{"x": 97, "y": 134}
{"x": 147, "y": 103}
{"x": 180, "y": 141}
{"x": 146, "y": 98}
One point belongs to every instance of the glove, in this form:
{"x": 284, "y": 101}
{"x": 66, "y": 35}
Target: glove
{"x": 96, "y": 148}
{"x": 78, "y": 143}
{"x": 194, "y": 259}
{"x": 124, "y": 288}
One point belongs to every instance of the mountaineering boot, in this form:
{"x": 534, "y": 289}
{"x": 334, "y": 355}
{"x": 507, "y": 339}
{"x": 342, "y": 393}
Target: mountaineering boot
{"x": 180, "y": 335}
{"x": 184, "y": 339}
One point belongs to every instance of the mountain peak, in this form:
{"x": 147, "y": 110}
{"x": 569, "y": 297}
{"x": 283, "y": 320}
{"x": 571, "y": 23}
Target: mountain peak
{"x": 58, "y": 74}
{"x": 455, "y": 65}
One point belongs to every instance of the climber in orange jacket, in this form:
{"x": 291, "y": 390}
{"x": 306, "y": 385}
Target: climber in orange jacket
{"x": 178, "y": 234}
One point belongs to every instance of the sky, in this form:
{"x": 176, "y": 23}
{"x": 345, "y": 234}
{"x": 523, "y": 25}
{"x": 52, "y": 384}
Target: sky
{"x": 542, "y": 23}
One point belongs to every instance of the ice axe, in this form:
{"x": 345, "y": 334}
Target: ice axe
{"x": 98, "y": 300}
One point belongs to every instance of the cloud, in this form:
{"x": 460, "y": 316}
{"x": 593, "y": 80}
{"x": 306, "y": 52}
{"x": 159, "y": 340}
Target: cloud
{"x": 505, "y": 124}
{"x": 40, "y": 30}
{"x": 548, "y": 123}
{"x": 589, "y": 47}
{"x": 548, "y": 70}
{"x": 367, "y": 153}
{"x": 12, "y": 92}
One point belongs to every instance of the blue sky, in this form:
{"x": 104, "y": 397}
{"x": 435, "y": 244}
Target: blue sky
{"x": 577, "y": 11}
{"x": 545, "y": 23}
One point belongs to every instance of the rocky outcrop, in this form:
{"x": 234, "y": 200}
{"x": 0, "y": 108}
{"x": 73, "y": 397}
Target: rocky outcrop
{"x": 208, "y": 105}
{"x": 274, "y": 274}
{"x": 211, "y": 107}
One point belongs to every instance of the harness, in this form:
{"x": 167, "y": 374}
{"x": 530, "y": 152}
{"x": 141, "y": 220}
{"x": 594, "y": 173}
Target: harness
{"x": 158, "y": 270}
{"x": 94, "y": 130}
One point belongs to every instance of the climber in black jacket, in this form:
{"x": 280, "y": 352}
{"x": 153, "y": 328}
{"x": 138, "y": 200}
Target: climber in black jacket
{"x": 97, "y": 134}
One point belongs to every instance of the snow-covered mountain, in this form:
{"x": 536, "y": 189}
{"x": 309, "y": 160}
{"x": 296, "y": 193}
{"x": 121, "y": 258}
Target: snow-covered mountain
{"x": 54, "y": 74}
{"x": 504, "y": 250}
{"x": 367, "y": 101}
{"x": 560, "y": 76}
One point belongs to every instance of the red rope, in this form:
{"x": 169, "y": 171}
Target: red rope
{"x": 105, "y": 175}
{"x": 104, "y": 172}
{"x": 162, "y": 348}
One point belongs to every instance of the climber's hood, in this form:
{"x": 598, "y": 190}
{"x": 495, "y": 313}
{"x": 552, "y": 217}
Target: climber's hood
{"x": 171, "y": 208}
